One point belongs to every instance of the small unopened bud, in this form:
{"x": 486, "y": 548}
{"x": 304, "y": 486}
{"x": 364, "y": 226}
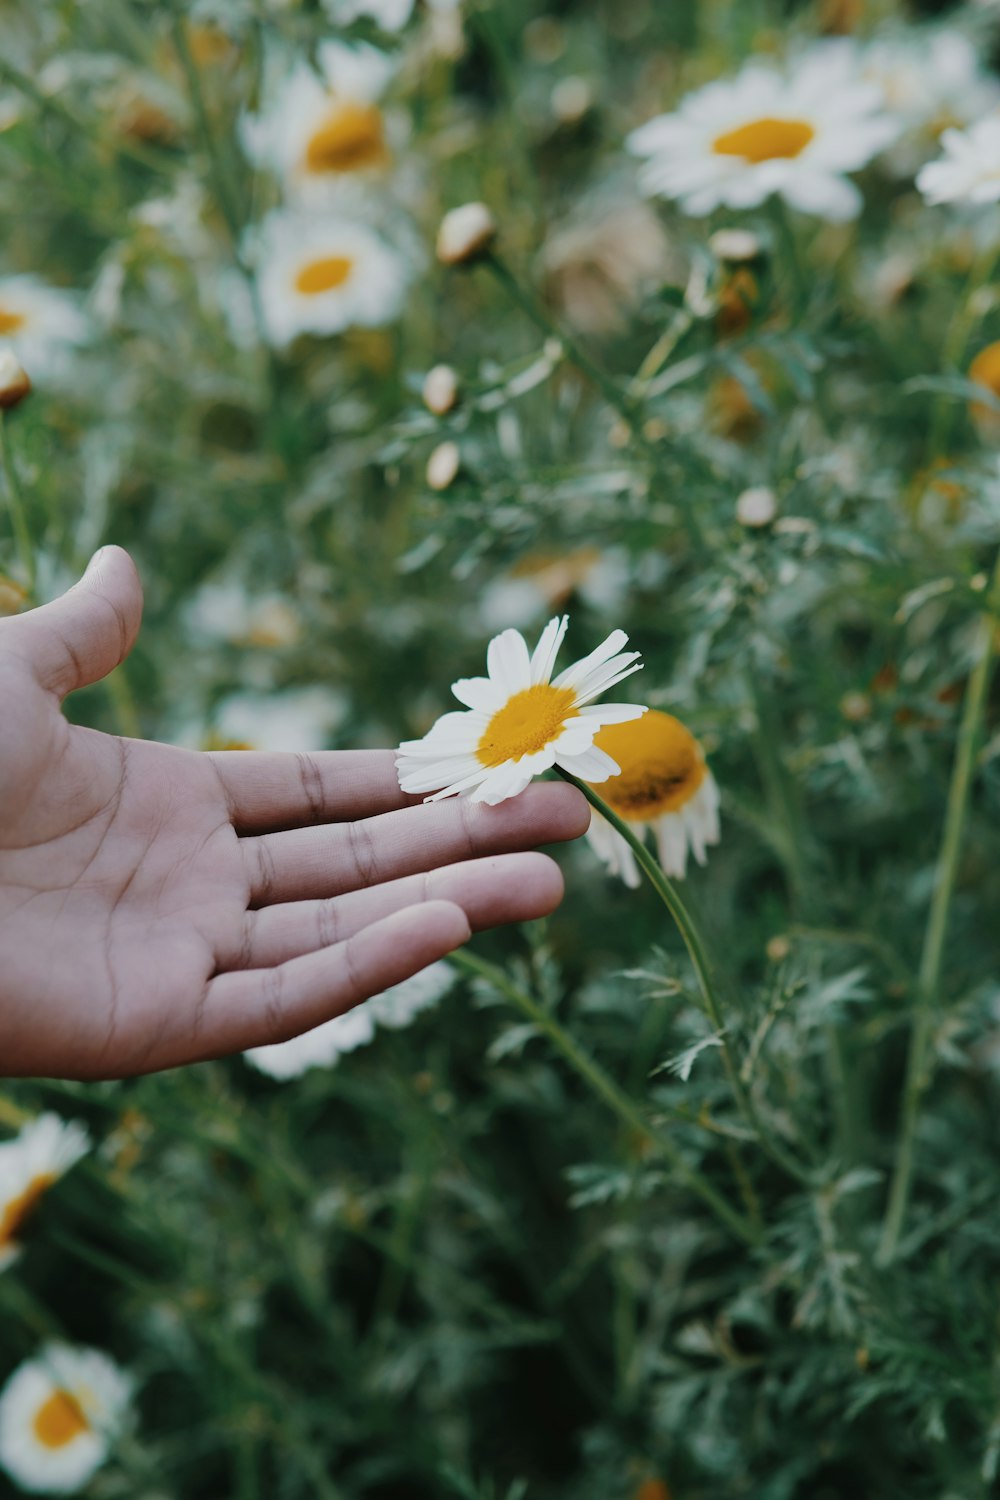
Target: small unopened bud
{"x": 757, "y": 506}
{"x": 856, "y": 707}
{"x": 443, "y": 465}
{"x": 571, "y": 99}
{"x": 778, "y": 948}
{"x": 465, "y": 233}
{"x": 440, "y": 391}
{"x": 14, "y": 382}
{"x": 735, "y": 245}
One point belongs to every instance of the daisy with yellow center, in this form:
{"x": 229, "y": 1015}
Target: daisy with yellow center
{"x": 41, "y": 324}
{"x": 322, "y": 275}
{"x": 664, "y": 787}
{"x": 29, "y": 1165}
{"x": 58, "y": 1416}
{"x": 794, "y": 133}
{"x": 324, "y": 128}
{"x": 522, "y": 721}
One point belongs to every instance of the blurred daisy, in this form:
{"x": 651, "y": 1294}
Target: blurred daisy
{"x": 321, "y": 1047}
{"x": 391, "y": 15}
{"x": 521, "y": 721}
{"x": 29, "y": 1164}
{"x": 322, "y": 275}
{"x": 324, "y": 128}
{"x": 985, "y": 371}
{"x": 58, "y": 1416}
{"x": 43, "y": 324}
{"x": 664, "y": 786}
{"x": 930, "y": 80}
{"x": 969, "y": 170}
{"x": 294, "y": 719}
{"x": 735, "y": 143}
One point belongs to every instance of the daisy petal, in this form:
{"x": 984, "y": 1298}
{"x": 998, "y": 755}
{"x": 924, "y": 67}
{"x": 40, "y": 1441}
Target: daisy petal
{"x": 508, "y": 662}
{"x": 543, "y": 658}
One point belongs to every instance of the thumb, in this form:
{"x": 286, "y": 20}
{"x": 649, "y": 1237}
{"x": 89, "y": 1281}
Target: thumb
{"x": 83, "y": 635}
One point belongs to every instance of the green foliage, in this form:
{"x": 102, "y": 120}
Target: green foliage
{"x": 451, "y": 1266}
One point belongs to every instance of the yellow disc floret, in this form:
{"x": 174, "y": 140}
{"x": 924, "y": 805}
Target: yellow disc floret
{"x": 765, "y": 140}
{"x": 323, "y": 275}
{"x": 350, "y": 139}
{"x": 662, "y": 766}
{"x": 59, "y": 1420}
{"x": 528, "y": 721}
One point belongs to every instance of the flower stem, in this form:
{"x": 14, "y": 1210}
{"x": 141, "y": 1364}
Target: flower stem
{"x": 918, "y": 1066}
{"x": 617, "y": 399}
{"x": 15, "y": 504}
{"x": 606, "y": 1089}
{"x": 703, "y": 971}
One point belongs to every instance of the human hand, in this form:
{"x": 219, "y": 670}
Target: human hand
{"x": 160, "y": 906}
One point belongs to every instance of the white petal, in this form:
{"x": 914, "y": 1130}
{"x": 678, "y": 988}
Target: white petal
{"x": 508, "y": 662}
{"x": 611, "y": 713}
{"x": 581, "y": 669}
{"x": 478, "y": 693}
{"x": 543, "y": 657}
{"x": 603, "y": 678}
{"x": 593, "y": 764}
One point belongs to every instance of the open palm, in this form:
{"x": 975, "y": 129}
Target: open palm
{"x": 160, "y": 906}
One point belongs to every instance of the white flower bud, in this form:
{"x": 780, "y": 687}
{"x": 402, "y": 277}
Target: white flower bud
{"x": 14, "y": 382}
{"x": 465, "y": 233}
{"x": 443, "y": 465}
{"x": 735, "y": 245}
{"x": 757, "y": 506}
{"x": 440, "y": 390}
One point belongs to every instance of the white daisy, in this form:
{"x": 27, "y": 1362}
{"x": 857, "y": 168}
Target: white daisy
{"x": 931, "y": 79}
{"x": 320, "y": 1048}
{"x": 664, "y": 786}
{"x": 292, "y": 719}
{"x": 43, "y": 324}
{"x": 969, "y": 170}
{"x": 396, "y": 1007}
{"x": 322, "y": 275}
{"x": 521, "y": 721}
{"x": 323, "y": 128}
{"x": 59, "y": 1414}
{"x": 29, "y": 1164}
{"x": 796, "y": 133}
{"x": 391, "y": 15}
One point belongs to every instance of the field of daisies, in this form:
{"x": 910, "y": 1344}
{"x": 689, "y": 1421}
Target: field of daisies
{"x": 388, "y": 336}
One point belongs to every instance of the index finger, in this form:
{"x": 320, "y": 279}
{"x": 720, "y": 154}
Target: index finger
{"x": 270, "y": 791}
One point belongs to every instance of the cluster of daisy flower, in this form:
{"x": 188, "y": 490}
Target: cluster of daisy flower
{"x": 797, "y": 130}
{"x": 61, "y": 1410}
{"x": 324, "y": 262}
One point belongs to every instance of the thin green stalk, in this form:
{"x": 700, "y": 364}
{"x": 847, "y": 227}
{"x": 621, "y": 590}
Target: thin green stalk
{"x": 630, "y": 414}
{"x": 956, "y": 340}
{"x": 225, "y": 189}
{"x": 15, "y": 504}
{"x": 703, "y": 971}
{"x": 919, "y": 1064}
{"x": 606, "y": 1089}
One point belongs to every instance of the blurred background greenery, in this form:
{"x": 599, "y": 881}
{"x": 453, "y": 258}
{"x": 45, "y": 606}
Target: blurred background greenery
{"x": 442, "y": 1268}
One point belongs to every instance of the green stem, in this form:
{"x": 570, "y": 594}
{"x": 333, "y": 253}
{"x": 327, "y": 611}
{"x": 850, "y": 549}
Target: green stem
{"x": 605, "y": 1089}
{"x": 955, "y": 343}
{"x": 703, "y": 971}
{"x": 919, "y": 1064}
{"x": 225, "y": 190}
{"x": 15, "y": 504}
{"x": 626, "y": 408}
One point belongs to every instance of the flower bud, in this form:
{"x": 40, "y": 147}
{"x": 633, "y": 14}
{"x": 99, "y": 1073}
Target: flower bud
{"x": 465, "y": 234}
{"x": 14, "y": 382}
{"x": 735, "y": 245}
{"x": 757, "y": 506}
{"x": 443, "y": 465}
{"x": 440, "y": 391}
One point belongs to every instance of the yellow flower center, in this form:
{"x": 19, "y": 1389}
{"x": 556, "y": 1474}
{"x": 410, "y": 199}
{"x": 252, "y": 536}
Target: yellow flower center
{"x": 11, "y": 321}
{"x": 527, "y": 722}
{"x": 350, "y": 139}
{"x": 765, "y": 140}
{"x": 323, "y": 275}
{"x": 662, "y": 766}
{"x": 59, "y": 1420}
{"x": 14, "y": 1213}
